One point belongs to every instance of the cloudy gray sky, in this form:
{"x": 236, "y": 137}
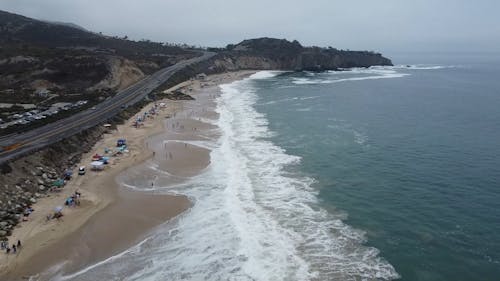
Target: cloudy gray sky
{"x": 384, "y": 25}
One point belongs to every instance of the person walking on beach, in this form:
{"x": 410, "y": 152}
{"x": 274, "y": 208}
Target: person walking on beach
{"x": 7, "y": 250}
{"x": 14, "y": 248}
{"x": 18, "y": 244}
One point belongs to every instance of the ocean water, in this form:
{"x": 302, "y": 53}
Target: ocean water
{"x": 366, "y": 174}
{"x": 410, "y": 154}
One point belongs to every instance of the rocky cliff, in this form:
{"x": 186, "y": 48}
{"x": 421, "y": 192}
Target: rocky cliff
{"x": 280, "y": 54}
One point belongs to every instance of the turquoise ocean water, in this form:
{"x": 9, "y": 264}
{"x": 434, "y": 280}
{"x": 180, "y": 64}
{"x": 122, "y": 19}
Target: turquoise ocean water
{"x": 409, "y": 155}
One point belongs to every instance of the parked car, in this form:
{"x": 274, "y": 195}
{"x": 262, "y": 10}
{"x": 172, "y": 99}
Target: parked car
{"x": 81, "y": 170}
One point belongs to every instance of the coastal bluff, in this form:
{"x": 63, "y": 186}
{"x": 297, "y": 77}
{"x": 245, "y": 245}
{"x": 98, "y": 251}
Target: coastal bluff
{"x": 281, "y": 54}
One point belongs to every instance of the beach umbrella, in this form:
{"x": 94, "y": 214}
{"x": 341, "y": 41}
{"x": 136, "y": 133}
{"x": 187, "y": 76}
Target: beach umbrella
{"x": 105, "y": 160}
{"x": 58, "y": 183}
{"x": 58, "y": 209}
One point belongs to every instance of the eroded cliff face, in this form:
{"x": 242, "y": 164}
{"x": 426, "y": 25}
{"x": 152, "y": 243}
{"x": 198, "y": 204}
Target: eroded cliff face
{"x": 232, "y": 63}
{"x": 122, "y": 73}
{"x": 268, "y": 53}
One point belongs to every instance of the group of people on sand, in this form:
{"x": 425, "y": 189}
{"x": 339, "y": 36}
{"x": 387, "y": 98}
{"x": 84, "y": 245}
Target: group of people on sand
{"x": 73, "y": 200}
{"x": 147, "y": 114}
{"x": 27, "y": 212}
{"x": 4, "y": 245}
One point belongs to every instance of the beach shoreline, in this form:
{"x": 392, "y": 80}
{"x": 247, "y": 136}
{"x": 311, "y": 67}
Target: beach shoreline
{"x": 110, "y": 211}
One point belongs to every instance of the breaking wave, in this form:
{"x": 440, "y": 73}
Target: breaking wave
{"x": 363, "y": 74}
{"x": 360, "y": 74}
{"x": 252, "y": 218}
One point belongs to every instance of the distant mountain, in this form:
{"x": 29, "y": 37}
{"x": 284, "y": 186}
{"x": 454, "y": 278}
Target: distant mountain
{"x": 69, "y": 24}
{"x": 271, "y": 53}
{"x": 71, "y": 62}
{"x": 17, "y": 29}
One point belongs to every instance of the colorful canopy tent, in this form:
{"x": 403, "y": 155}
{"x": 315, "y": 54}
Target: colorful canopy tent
{"x": 58, "y": 183}
{"x": 97, "y": 165}
{"x": 96, "y": 157}
{"x": 121, "y": 142}
{"x": 57, "y": 213}
{"x": 67, "y": 174}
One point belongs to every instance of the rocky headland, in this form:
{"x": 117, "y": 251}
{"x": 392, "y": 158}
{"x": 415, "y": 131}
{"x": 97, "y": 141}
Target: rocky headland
{"x": 281, "y": 54}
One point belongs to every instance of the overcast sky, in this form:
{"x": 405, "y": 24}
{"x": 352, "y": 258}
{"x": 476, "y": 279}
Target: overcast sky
{"x": 384, "y": 25}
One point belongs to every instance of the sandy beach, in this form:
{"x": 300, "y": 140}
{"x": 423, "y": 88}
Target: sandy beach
{"x": 112, "y": 218}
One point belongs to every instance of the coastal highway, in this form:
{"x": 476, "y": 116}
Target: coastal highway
{"x": 18, "y": 144}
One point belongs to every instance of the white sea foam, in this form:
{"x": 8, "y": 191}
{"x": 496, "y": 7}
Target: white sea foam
{"x": 310, "y": 98}
{"x": 344, "y": 127}
{"x": 367, "y": 74}
{"x": 108, "y": 260}
{"x": 424, "y": 67}
{"x": 289, "y": 99}
{"x": 305, "y": 109}
{"x": 370, "y": 73}
{"x": 252, "y": 218}
{"x": 414, "y": 67}
{"x": 266, "y": 74}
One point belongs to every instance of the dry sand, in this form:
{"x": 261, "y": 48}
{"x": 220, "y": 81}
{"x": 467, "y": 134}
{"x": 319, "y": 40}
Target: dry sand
{"x": 110, "y": 218}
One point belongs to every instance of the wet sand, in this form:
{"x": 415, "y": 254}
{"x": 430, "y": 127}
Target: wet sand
{"x": 112, "y": 230}
{"x": 183, "y": 159}
{"x": 112, "y": 218}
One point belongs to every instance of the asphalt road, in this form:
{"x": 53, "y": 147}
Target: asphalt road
{"x": 60, "y": 129}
